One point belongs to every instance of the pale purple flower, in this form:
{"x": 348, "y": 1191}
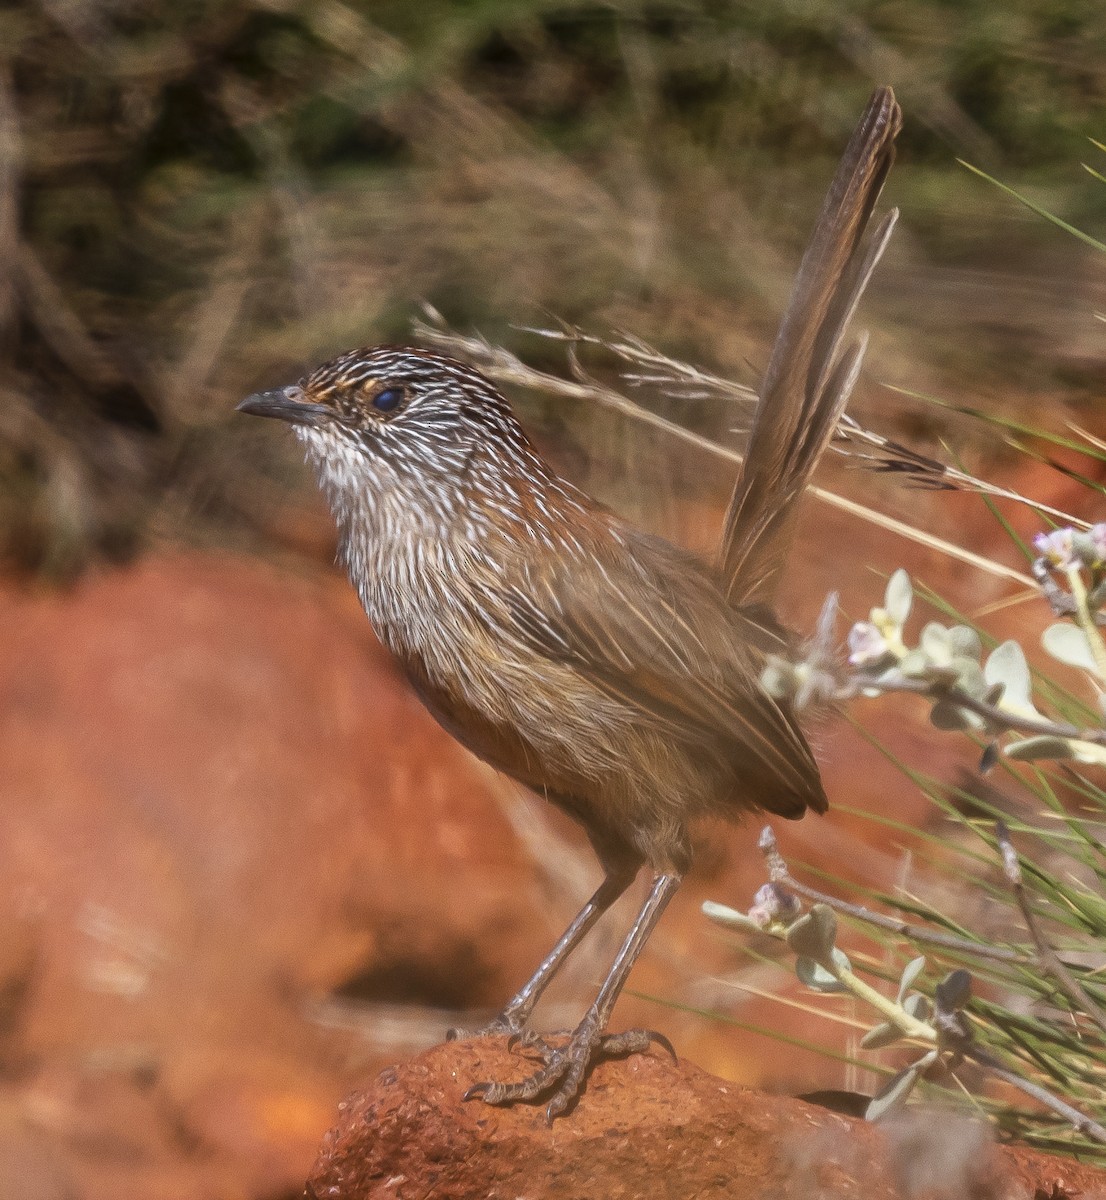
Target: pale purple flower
{"x": 772, "y": 905}
{"x": 1057, "y": 548}
{"x": 867, "y": 645}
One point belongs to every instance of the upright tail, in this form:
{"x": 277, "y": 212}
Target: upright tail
{"x": 809, "y": 378}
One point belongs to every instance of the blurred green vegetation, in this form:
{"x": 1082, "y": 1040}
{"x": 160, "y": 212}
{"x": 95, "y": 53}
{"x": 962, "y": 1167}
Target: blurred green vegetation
{"x": 200, "y": 197}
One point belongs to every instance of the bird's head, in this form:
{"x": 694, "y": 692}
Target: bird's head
{"x": 406, "y": 440}
{"x": 405, "y": 405}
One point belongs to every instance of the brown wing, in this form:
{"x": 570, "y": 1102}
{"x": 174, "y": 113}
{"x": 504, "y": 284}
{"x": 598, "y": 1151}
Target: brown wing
{"x": 808, "y": 380}
{"x": 652, "y": 628}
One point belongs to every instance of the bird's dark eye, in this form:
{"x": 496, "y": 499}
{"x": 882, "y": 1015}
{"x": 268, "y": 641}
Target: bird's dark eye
{"x": 388, "y": 400}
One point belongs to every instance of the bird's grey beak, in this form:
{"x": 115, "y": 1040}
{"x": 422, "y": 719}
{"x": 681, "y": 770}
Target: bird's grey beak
{"x": 287, "y": 404}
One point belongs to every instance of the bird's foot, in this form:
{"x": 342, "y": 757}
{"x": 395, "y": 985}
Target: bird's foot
{"x": 565, "y": 1067}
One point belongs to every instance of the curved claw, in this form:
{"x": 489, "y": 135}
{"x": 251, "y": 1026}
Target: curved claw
{"x": 566, "y": 1095}
{"x": 664, "y": 1043}
{"x": 634, "y": 1041}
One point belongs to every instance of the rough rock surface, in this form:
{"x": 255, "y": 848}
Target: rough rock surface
{"x": 231, "y": 842}
{"x": 241, "y": 868}
{"x": 650, "y": 1128}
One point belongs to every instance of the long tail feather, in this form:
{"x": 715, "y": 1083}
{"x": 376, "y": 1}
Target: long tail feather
{"x": 809, "y": 379}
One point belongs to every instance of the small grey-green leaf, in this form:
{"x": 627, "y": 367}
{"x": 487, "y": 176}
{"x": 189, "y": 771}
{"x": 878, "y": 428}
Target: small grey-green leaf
{"x": 884, "y": 1034}
{"x": 1045, "y": 746}
{"x": 914, "y": 664}
{"x": 989, "y": 757}
{"x": 934, "y": 644}
{"x": 1006, "y": 666}
{"x": 1068, "y": 643}
{"x": 841, "y": 960}
{"x": 889, "y": 1098}
{"x": 965, "y": 641}
{"x": 815, "y": 976}
{"x": 909, "y": 973}
{"x": 722, "y": 914}
{"x": 814, "y": 934}
{"x": 953, "y": 992}
{"x": 899, "y": 597}
{"x": 947, "y": 715}
{"x": 917, "y": 1006}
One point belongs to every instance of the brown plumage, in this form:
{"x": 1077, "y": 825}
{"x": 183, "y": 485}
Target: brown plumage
{"x": 606, "y": 669}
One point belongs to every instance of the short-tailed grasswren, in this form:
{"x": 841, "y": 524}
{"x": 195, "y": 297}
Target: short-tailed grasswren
{"x": 609, "y": 671}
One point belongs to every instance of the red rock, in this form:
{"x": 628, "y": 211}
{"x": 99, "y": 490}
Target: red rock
{"x": 647, "y": 1128}
{"x": 221, "y": 805}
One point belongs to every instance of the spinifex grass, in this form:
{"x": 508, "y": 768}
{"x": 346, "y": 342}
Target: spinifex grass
{"x": 1033, "y": 1018}
{"x": 1039, "y": 1013}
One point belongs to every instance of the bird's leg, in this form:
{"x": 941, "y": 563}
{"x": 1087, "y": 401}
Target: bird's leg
{"x": 513, "y": 1018}
{"x": 566, "y": 1066}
